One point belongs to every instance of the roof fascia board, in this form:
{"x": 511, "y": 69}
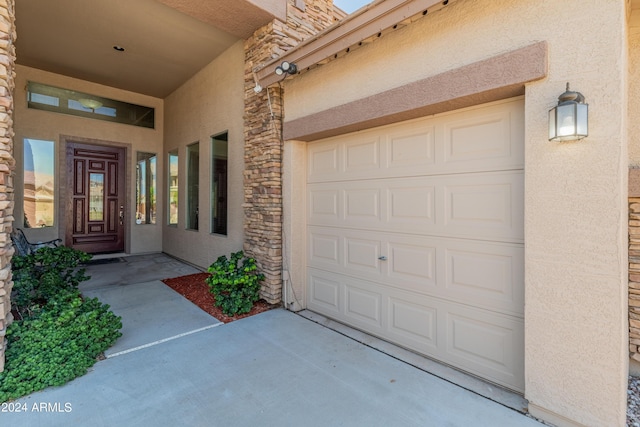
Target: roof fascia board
{"x": 355, "y": 28}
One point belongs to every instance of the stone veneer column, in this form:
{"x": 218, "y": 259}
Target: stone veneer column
{"x": 634, "y": 264}
{"x": 7, "y": 85}
{"x": 263, "y": 142}
{"x": 634, "y": 277}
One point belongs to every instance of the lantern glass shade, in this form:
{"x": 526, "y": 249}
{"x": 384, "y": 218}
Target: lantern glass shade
{"x": 569, "y": 121}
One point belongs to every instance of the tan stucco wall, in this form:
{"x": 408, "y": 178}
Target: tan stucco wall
{"x": 576, "y": 347}
{"x": 210, "y": 103}
{"x": 294, "y": 191}
{"x": 30, "y": 123}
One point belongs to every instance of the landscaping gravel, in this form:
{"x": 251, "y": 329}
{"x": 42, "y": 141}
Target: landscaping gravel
{"x": 633, "y": 402}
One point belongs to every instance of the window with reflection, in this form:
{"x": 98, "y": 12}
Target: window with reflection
{"x": 219, "y": 157}
{"x": 39, "y": 181}
{"x": 146, "y": 188}
{"x": 193, "y": 185}
{"x": 96, "y": 197}
{"x": 173, "y": 188}
{"x": 59, "y": 100}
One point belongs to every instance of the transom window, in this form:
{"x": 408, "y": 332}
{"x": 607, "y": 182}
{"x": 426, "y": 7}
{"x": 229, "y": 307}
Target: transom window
{"x": 58, "y": 100}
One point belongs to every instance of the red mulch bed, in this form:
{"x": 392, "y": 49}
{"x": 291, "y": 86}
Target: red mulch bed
{"x": 195, "y": 289}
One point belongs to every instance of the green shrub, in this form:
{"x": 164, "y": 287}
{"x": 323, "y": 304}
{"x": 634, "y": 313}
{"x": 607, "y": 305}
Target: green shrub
{"x": 58, "y": 334}
{"x": 57, "y": 345}
{"x": 235, "y": 285}
{"x": 40, "y": 276}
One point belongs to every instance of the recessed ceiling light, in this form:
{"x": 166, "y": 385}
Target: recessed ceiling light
{"x": 119, "y": 48}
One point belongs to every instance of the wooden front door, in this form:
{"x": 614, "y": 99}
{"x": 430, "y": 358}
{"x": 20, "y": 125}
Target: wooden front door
{"x": 95, "y": 197}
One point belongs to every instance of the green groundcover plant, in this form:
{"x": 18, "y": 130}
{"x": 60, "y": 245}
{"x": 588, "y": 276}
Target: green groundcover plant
{"x": 57, "y": 335}
{"x": 235, "y": 283}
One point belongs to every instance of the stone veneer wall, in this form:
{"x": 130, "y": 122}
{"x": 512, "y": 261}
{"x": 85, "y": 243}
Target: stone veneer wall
{"x": 634, "y": 277}
{"x": 634, "y": 264}
{"x": 263, "y": 142}
{"x": 7, "y": 85}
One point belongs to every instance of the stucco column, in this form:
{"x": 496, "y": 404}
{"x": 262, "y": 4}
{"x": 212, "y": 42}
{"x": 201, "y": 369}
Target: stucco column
{"x": 576, "y": 335}
{"x": 7, "y": 73}
{"x": 294, "y": 192}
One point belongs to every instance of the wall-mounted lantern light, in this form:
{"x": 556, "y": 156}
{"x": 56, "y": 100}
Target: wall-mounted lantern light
{"x": 569, "y": 120}
{"x": 286, "y": 67}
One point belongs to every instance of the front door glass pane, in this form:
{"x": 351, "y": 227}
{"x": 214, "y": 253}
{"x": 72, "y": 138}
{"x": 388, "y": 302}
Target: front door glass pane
{"x": 96, "y": 197}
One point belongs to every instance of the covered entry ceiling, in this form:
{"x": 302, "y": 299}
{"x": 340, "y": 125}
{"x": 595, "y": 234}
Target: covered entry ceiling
{"x": 415, "y": 234}
{"x": 165, "y": 42}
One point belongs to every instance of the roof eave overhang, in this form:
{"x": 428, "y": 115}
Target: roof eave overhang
{"x": 361, "y": 27}
{"x": 240, "y": 18}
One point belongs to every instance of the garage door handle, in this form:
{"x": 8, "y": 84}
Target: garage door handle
{"x": 382, "y": 258}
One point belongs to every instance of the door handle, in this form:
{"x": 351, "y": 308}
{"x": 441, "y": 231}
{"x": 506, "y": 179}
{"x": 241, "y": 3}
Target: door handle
{"x": 382, "y": 258}
{"x": 121, "y": 215}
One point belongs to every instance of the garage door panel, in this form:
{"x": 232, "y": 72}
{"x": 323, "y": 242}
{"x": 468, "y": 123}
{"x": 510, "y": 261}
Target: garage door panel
{"x": 348, "y": 299}
{"x": 482, "y": 137}
{"x": 411, "y": 147}
{"x": 488, "y": 205}
{"x": 362, "y": 255}
{"x": 323, "y": 160}
{"x": 324, "y": 205}
{"x": 416, "y": 235}
{"x": 414, "y": 323}
{"x": 479, "y": 140}
{"x": 325, "y": 249}
{"x": 486, "y": 274}
{"x": 362, "y": 204}
{"x": 412, "y": 263}
{"x": 479, "y": 341}
{"x": 489, "y": 275}
{"x": 476, "y": 206}
{"x": 486, "y": 344}
{"x": 411, "y": 202}
{"x": 363, "y": 306}
{"x": 400, "y": 261}
{"x": 324, "y": 294}
{"x": 361, "y": 155}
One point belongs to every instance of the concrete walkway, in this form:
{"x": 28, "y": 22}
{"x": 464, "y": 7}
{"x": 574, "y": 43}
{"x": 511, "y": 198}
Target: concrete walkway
{"x": 177, "y": 366}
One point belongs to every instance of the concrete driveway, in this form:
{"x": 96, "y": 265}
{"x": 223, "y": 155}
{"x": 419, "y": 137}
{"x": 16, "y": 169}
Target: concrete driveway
{"x": 177, "y": 366}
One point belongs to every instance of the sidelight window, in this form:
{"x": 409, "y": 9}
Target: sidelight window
{"x": 39, "y": 181}
{"x": 193, "y": 185}
{"x": 146, "y": 188}
{"x": 219, "y": 158}
{"x": 173, "y": 188}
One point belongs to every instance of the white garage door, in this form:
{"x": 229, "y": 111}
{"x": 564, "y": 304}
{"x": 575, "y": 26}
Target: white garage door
{"x": 415, "y": 234}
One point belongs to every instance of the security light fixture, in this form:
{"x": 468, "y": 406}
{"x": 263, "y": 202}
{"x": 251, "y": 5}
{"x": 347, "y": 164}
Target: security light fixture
{"x": 569, "y": 120}
{"x": 286, "y": 67}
